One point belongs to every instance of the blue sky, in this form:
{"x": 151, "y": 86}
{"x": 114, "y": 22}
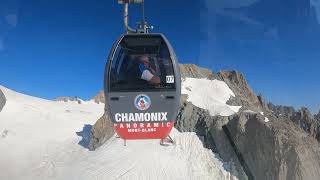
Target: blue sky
{"x": 59, "y": 48}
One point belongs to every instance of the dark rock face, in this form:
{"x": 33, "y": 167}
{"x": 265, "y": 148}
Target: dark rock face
{"x": 245, "y": 97}
{"x": 304, "y": 119}
{"x": 317, "y": 116}
{"x": 275, "y": 150}
{"x": 244, "y": 94}
{"x": 2, "y": 100}
{"x": 209, "y": 130}
{"x": 67, "y": 99}
{"x": 278, "y": 149}
{"x": 194, "y": 71}
{"x": 286, "y": 111}
{"x": 283, "y": 148}
{"x": 99, "y": 98}
{"x": 272, "y": 150}
{"x": 301, "y": 118}
{"x": 101, "y": 131}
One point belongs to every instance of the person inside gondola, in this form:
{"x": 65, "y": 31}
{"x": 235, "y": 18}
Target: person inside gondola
{"x": 146, "y": 72}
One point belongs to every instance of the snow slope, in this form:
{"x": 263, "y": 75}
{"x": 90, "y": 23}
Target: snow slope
{"x": 211, "y": 95}
{"x": 39, "y": 140}
{"x": 30, "y": 127}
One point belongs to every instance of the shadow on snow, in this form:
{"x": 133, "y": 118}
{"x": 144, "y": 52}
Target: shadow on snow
{"x": 85, "y": 134}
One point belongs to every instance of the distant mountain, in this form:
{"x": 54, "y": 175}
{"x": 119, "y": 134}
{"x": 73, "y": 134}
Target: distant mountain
{"x": 250, "y": 135}
{"x": 254, "y": 139}
{"x": 317, "y": 116}
{"x": 262, "y": 144}
{"x": 69, "y": 99}
{"x": 99, "y": 98}
{"x": 2, "y": 100}
{"x": 302, "y": 118}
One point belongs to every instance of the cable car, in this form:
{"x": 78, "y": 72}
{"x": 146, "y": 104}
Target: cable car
{"x": 142, "y": 84}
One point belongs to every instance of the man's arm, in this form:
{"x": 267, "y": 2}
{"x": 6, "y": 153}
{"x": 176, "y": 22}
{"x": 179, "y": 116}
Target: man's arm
{"x": 155, "y": 80}
{"x": 148, "y": 76}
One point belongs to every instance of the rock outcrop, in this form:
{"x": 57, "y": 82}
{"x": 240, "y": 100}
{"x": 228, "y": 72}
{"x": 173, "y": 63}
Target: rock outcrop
{"x": 317, "y": 116}
{"x": 209, "y": 129}
{"x": 275, "y": 150}
{"x": 271, "y": 145}
{"x": 277, "y": 144}
{"x": 272, "y": 150}
{"x": 306, "y": 121}
{"x": 2, "y": 100}
{"x": 278, "y": 110}
{"x": 101, "y": 131}
{"x": 194, "y": 71}
{"x": 301, "y": 118}
{"x": 68, "y": 99}
{"x": 245, "y": 96}
{"x": 99, "y": 98}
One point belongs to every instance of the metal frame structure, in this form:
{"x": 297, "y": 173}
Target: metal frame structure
{"x": 143, "y": 26}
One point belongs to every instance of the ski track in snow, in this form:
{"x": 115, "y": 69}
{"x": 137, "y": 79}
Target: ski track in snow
{"x": 41, "y": 143}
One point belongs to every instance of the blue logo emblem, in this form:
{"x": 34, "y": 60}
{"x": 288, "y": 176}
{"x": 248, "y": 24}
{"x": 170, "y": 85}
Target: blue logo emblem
{"x": 142, "y": 102}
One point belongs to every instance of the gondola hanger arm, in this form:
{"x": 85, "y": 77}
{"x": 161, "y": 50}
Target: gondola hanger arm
{"x": 143, "y": 26}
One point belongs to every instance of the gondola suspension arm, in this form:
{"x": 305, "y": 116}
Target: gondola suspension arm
{"x": 142, "y": 26}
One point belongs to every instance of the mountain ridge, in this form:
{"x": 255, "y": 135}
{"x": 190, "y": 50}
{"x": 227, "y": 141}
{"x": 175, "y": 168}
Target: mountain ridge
{"x": 256, "y": 122}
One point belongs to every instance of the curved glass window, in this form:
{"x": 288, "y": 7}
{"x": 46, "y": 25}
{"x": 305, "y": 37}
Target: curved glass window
{"x": 141, "y": 63}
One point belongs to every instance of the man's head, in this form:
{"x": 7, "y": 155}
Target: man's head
{"x": 144, "y": 59}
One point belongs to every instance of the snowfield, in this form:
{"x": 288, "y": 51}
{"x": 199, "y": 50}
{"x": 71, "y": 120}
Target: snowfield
{"x": 42, "y": 139}
{"x": 211, "y": 95}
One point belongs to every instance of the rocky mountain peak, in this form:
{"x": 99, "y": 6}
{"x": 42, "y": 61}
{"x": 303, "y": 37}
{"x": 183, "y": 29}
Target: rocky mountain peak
{"x": 194, "y": 71}
{"x": 235, "y": 77}
{"x": 68, "y": 99}
{"x": 279, "y": 110}
{"x": 302, "y": 118}
{"x": 244, "y": 94}
{"x": 277, "y": 144}
{"x": 236, "y": 81}
{"x": 2, "y": 100}
{"x": 304, "y": 113}
{"x": 99, "y": 98}
{"x": 317, "y": 116}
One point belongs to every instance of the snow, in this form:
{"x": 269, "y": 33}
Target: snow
{"x": 249, "y": 111}
{"x": 266, "y": 119}
{"x": 40, "y": 139}
{"x": 211, "y": 95}
{"x": 262, "y": 113}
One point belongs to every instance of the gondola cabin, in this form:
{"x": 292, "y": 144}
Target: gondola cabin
{"x": 142, "y": 86}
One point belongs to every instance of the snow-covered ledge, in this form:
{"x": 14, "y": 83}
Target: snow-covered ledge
{"x": 211, "y": 95}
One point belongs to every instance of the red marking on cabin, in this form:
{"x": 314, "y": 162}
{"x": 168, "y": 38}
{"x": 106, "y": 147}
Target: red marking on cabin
{"x": 143, "y": 130}
{"x": 142, "y": 103}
